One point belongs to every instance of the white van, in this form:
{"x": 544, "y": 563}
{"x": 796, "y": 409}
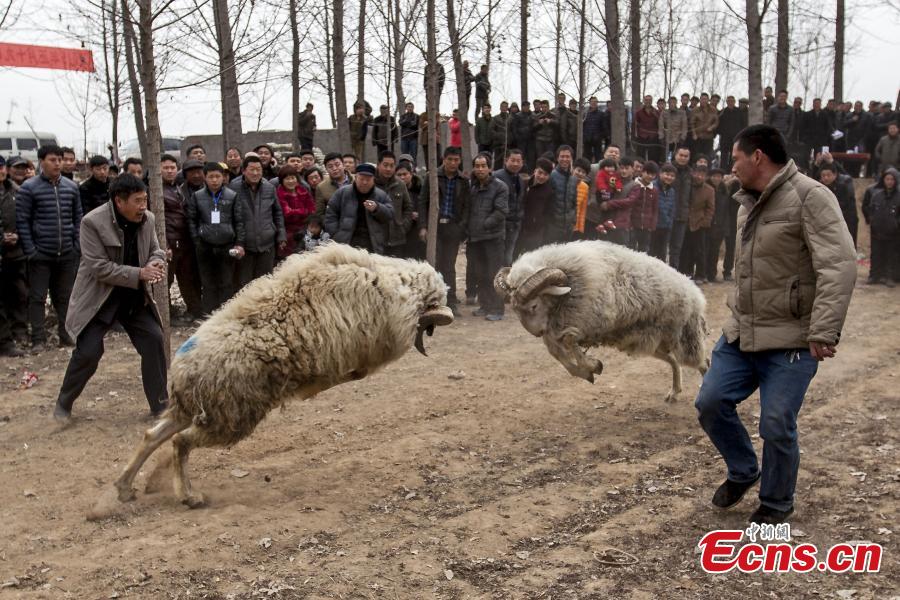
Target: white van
{"x": 24, "y": 144}
{"x": 131, "y": 148}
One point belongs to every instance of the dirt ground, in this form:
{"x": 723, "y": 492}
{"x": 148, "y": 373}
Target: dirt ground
{"x": 484, "y": 471}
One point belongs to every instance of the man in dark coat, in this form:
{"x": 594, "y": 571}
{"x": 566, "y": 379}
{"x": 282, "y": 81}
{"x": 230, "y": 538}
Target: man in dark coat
{"x": 359, "y": 214}
{"x": 731, "y": 120}
{"x": 13, "y": 281}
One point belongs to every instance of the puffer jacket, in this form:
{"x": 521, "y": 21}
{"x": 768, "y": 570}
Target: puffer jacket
{"x": 403, "y": 209}
{"x": 594, "y": 125}
{"x": 668, "y": 199}
{"x": 488, "y": 206}
{"x": 263, "y": 219}
{"x": 342, "y": 211}
{"x": 521, "y": 128}
{"x": 229, "y": 231}
{"x": 887, "y": 152}
{"x": 546, "y": 127}
{"x": 48, "y": 216}
{"x": 483, "y": 130}
{"x": 500, "y": 131}
{"x": 564, "y": 200}
{"x": 93, "y": 193}
{"x": 795, "y": 266}
{"x": 645, "y": 210}
{"x": 8, "y": 191}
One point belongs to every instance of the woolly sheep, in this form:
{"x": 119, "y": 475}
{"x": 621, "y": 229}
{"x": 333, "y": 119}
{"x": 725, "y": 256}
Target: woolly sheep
{"x": 321, "y": 319}
{"x": 589, "y": 293}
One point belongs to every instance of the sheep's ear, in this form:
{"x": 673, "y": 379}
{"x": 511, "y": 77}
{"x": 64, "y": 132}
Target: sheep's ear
{"x": 555, "y": 290}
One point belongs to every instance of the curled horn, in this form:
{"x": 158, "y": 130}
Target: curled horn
{"x": 537, "y": 282}
{"x": 501, "y": 282}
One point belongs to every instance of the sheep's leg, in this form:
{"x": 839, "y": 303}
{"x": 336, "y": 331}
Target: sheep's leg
{"x": 704, "y": 366}
{"x": 566, "y": 350}
{"x": 153, "y": 439}
{"x": 672, "y": 396}
{"x": 182, "y": 443}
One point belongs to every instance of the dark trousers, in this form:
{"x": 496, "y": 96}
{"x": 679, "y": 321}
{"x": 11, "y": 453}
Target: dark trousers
{"x": 147, "y": 338}
{"x": 648, "y": 150}
{"x": 725, "y": 147}
{"x": 479, "y": 102}
{"x": 853, "y": 227}
{"x": 395, "y": 251}
{"x": 183, "y": 268}
{"x": 13, "y": 300}
{"x": 487, "y": 256}
{"x": 425, "y": 152}
{"x": 782, "y": 377}
{"x": 409, "y": 145}
{"x": 659, "y": 243}
{"x": 541, "y": 148}
{"x": 676, "y": 241}
{"x": 640, "y": 240}
{"x": 216, "y": 276}
{"x": 885, "y": 262}
{"x": 714, "y": 245}
{"x": 593, "y": 150}
{"x": 256, "y": 264}
{"x": 448, "y": 238}
{"x": 694, "y": 253}
{"x": 55, "y": 274}
{"x": 306, "y": 143}
{"x": 618, "y": 236}
{"x": 471, "y": 275}
{"x": 704, "y": 147}
{"x": 512, "y": 236}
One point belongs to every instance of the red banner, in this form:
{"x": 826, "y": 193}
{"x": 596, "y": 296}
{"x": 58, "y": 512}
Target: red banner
{"x": 45, "y": 57}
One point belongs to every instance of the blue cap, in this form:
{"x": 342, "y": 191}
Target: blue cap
{"x": 365, "y": 169}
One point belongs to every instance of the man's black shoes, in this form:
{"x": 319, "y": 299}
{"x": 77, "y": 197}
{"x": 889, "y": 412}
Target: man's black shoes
{"x": 772, "y": 516}
{"x": 730, "y": 493}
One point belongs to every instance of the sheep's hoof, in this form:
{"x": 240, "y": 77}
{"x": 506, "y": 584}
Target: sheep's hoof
{"x": 672, "y": 397}
{"x": 589, "y": 378}
{"x": 126, "y": 494}
{"x": 194, "y": 500}
{"x": 598, "y": 367}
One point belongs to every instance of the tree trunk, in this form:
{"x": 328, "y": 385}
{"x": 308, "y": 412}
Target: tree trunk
{"x": 151, "y": 160}
{"x": 582, "y": 78}
{"x": 489, "y": 35}
{"x": 361, "y": 58}
{"x": 461, "y": 97}
{"x": 399, "y": 47}
{"x": 109, "y": 18}
{"x": 232, "y": 131}
{"x": 329, "y": 65}
{"x": 340, "y": 88}
{"x": 295, "y": 75}
{"x": 558, "y": 51}
{"x": 634, "y": 9}
{"x": 839, "y": 52}
{"x": 616, "y": 93}
{"x": 754, "y": 69}
{"x": 523, "y": 50}
{"x": 431, "y": 99}
{"x": 782, "y": 47}
{"x": 134, "y": 82}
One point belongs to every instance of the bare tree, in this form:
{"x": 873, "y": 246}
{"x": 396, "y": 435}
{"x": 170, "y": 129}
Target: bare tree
{"x": 462, "y": 98}
{"x": 616, "y": 93}
{"x": 839, "y": 52}
{"x": 753, "y": 19}
{"x": 782, "y": 46}
{"x": 523, "y": 50}
{"x": 361, "y": 56}
{"x": 634, "y": 26}
{"x": 295, "y": 75}
{"x": 340, "y": 89}
{"x": 431, "y": 100}
{"x": 582, "y": 77}
{"x": 232, "y": 131}
{"x": 558, "y": 49}
{"x": 131, "y": 60}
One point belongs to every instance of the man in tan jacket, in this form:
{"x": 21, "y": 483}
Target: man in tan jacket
{"x": 120, "y": 257}
{"x": 794, "y": 275}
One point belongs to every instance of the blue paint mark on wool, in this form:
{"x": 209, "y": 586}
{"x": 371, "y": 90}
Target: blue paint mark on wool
{"x": 187, "y": 346}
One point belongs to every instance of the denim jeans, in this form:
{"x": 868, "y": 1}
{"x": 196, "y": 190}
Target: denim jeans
{"x": 782, "y": 377}
{"x": 410, "y": 146}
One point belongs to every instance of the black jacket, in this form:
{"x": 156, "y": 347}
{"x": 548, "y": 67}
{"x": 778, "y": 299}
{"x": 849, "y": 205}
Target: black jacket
{"x": 93, "y": 193}
{"x": 8, "y": 191}
{"x": 815, "y": 129}
{"x": 488, "y": 209}
{"x": 262, "y": 216}
{"x": 515, "y": 201}
{"x": 342, "y": 211}
{"x": 48, "y": 216}
{"x": 230, "y": 229}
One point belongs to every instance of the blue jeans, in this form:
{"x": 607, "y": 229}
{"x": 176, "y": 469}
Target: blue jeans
{"x": 782, "y": 377}
{"x": 411, "y": 147}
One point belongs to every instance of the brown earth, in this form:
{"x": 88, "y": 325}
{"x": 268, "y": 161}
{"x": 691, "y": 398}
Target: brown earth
{"x": 484, "y": 471}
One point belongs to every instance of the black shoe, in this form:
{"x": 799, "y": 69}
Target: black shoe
{"x": 730, "y": 493}
{"x": 767, "y": 514}
{"x": 38, "y": 347}
{"x": 455, "y": 310}
{"x": 62, "y": 415}
{"x": 66, "y": 341}
{"x": 11, "y": 349}
{"x": 873, "y": 281}
{"x": 155, "y": 414}
{"x": 479, "y": 312}
{"x": 889, "y": 283}
{"x": 471, "y": 301}
{"x": 726, "y": 277}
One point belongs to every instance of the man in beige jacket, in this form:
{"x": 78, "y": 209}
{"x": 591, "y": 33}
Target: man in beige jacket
{"x": 794, "y": 275}
{"x": 120, "y": 257}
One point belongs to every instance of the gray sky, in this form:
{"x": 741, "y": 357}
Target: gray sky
{"x": 46, "y": 98}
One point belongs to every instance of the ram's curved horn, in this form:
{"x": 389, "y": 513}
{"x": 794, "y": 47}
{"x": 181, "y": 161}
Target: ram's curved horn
{"x": 501, "y": 282}
{"x": 537, "y": 282}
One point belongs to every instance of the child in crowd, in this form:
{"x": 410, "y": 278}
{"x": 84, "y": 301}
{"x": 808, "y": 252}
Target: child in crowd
{"x": 314, "y": 236}
{"x": 645, "y": 208}
{"x": 582, "y": 171}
